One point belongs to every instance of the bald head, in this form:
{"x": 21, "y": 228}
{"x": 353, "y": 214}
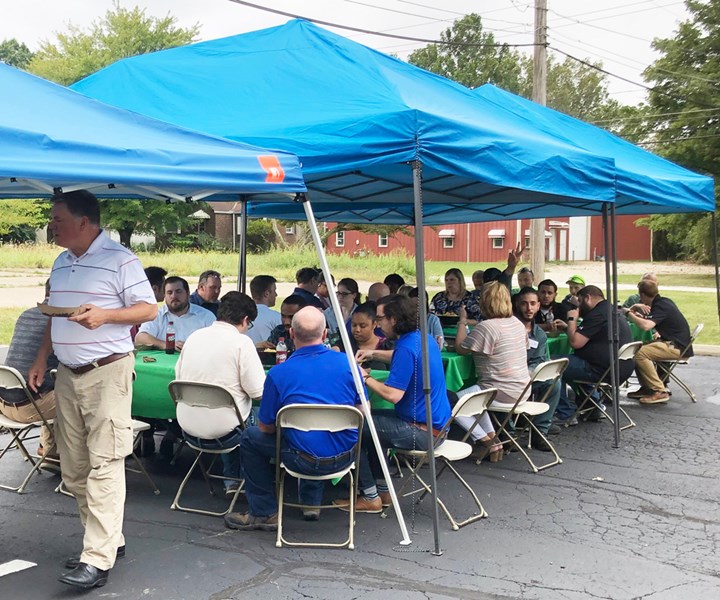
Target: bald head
{"x": 650, "y": 277}
{"x": 308, "y": 327}
{"x": 378, "y": 290}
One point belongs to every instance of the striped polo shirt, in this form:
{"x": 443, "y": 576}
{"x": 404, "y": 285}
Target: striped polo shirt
{"x": 108, "y": 276}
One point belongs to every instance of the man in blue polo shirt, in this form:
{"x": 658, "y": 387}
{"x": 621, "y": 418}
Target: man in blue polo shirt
{"x": 312, "y": 453}
{"x": 407, "y": 428}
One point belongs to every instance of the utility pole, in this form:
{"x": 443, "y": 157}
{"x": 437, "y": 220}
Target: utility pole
{"x": 537, "y": 226}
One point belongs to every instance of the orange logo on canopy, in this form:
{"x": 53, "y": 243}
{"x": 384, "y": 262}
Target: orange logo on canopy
{"x": 271, "y": 164}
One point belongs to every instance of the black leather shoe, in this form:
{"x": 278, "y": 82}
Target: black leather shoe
{"x": 85, "y": 577}
{"x": 74, "y": 561}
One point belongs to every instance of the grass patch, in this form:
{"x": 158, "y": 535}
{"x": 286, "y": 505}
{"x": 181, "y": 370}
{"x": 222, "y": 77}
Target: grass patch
{"x": 8, "y": 316}
{"x": 700, "y": 307}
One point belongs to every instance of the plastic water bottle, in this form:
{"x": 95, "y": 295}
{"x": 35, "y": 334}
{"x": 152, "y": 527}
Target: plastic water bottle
{"x": 281, "y": 350}
{"x": 170, "y": 339}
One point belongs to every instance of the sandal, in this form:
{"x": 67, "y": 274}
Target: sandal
{"x": 492, "y": 448}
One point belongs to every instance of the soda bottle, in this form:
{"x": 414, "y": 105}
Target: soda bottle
{"x": 281, "y": 350}
{"x": 170, "y": 338}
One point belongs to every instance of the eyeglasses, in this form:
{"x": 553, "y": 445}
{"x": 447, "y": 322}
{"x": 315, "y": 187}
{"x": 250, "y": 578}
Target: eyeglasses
{"x": 343, "y": 294}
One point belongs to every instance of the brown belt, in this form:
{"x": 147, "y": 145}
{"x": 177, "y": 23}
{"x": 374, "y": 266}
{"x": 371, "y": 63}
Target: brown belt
{"x": 16, "y": 404}
{"x": 101, "y": 362}
{"x": 423, "y": 426}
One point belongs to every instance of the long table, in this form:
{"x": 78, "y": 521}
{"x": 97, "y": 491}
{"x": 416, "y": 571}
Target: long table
{"x": 151, "y": 398}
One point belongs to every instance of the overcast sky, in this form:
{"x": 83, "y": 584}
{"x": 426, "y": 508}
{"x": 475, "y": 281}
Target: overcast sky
{"x": 617, "y": 32}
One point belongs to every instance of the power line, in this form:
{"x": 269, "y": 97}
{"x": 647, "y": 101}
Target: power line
{"x": 377, "y": 33}
{"x": 665, "y": 114}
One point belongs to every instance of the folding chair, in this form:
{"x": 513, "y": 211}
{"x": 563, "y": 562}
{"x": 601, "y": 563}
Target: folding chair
{"x": 586, "y": 389}
{"x": 317, "y": 417}
{"x": 447, "y": 451}
{"x": 11, "y": 378}
{"x": 549, "y": 371}
{"x": 666, "y": 368}
{"x": 209, "y": 397}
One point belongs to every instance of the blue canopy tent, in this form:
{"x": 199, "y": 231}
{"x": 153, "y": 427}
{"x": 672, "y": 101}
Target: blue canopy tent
{"x": 374, "y": 132}
{"x": 53, "y": 138}
{"x": 641, "y": 176}
{"x": 380, "y": 140}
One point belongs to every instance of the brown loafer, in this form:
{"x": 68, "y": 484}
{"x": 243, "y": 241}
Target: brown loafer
{"x": 655, "y": 398}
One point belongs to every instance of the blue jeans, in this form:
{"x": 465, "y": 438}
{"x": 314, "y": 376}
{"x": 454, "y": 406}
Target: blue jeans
{"x": 543, "y": 421}
{"x": 578, "y": 369}
{"x": 232, "y": 466}
{"x": 393, "y": 432}
{"x": 257, "y": 449}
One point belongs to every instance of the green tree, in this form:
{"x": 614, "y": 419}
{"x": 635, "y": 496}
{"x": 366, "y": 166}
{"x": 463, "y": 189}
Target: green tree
{"x": 151, "y": 217}
{"x": 683, "y": 108}
{"x": 477, "y": 61}
{"x": 121, "y": 33}
{"x": 15, "y": 53}
{"x": 20, "y": 218}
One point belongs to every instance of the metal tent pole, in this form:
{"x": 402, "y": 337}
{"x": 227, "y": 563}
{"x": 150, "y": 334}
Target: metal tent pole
{"x": 715, "y": 260}
{"x": 242, "y": 258}
{"x": 614, "y": 349}
{"x": 359, "y": 385}
{"x": 422, "y": 317}
{"x": 610, "y": 318}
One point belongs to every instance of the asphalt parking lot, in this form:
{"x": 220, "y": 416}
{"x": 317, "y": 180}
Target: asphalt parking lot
{"x": 639, "y": 521}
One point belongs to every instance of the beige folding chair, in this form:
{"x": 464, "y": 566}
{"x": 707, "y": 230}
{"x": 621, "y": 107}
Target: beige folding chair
{"x": 666, "y": 368}
{"x": 12, "y": 379}
{"x": 446, "y": 452}
{"x": 549, "y": 371}
{"x": 586, "y": 389}
{"x": 317, "y": 417}
{"x": 208, "y": 397}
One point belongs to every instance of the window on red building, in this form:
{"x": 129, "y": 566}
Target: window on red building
{"x": 383, "y": 240}
{"x": 340, "y": 239}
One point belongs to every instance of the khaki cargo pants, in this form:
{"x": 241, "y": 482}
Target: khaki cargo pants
{"x": 93, "y": 432}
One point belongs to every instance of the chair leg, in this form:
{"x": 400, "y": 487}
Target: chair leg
{"x": 17, "y": 441}
{"x": 176, "y": 502}
{"x": 281, "y": 504}
{"x": 684, "y": 386}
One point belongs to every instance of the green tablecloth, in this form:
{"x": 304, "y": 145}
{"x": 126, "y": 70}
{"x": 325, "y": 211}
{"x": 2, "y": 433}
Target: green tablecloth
{"x": 150, "y": 389}
{"x": 152, "y": 399}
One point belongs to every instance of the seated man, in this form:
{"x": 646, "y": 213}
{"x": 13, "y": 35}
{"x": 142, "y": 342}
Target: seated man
{"x": 221, "y": 355}
{"x": 633, "y": 299}
{"x": 156, "y": 277}
{"x": 263, "y": 289}
{"x": 407, "y": 428}
{"x": 312, "y": 453}
{"x": 477, "y": 278}
{"x": 592, "y": 350}
{"x": 308, "y": 281}
{"x": 575, "y": 284}
{"x": 527, "y": 304}
{"x": 378, "y": 290}
{"x": 394, "y": 282}
{"x": 552, "y": 315}
{"x": 289, "y": 307}
{"x": 657, "y": 312}
{"x": 208, "y": 291}
{"x": 525, "y": 278}
{"x": 185, "y": 317}
{"x": 26, "y": 340}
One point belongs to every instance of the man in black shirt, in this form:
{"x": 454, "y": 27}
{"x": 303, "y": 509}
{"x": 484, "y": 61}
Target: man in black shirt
{"x": 590, "y": 342}
{"x": 552, "y": 315}
{"x": 659, "y": 313}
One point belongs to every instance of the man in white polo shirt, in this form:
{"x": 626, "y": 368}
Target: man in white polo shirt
{"x": 223, "y": 355}
{"x": 93, "y": 389}
{"x": 263, "y": 289}
{"x": 185, "y": 317}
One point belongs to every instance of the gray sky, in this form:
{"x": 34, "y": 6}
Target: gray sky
{"x": 617, "y": 32}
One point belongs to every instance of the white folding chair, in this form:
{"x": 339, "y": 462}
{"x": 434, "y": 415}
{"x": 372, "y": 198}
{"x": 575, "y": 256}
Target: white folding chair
{"x": 586, "y": 389}
{"x": 12, "y": 379}
{"x": 207, "y": 397}
{"x": 666, "y": 368}
{"x": 446, "y": 452}
{"x": 549, "y": 371}
{"x": 317, "y": 417}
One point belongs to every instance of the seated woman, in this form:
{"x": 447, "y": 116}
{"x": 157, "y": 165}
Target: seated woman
{"x": 364, "y": 337}
{"x": 348, "y": 296}
{"x": 455, "y": 297}
{"x": 498, "y": 346}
